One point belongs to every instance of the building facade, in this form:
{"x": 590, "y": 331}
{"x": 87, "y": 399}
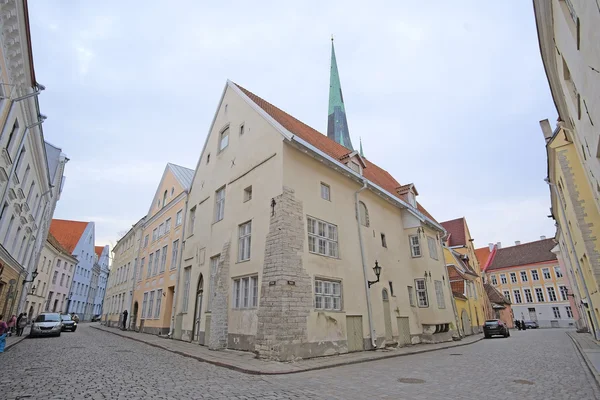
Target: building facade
{"x": 159, "y": 252}
{"x": 123, "y": 276}
{"x": 530, "y": 277}
{"x": 103, "y": 261}
{"x": 283, "y": 230}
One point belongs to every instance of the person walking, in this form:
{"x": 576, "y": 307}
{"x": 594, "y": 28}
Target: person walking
{"x": 125, "y": 319}
{"x": 3, "y": 332}
{"x": 21, "y": 323}
{"x": 523, "y": 325}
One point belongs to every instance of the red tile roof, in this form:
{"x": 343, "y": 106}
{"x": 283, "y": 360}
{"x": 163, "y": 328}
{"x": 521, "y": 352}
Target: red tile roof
{"x": 494, "y": 295}
{"x": 372, "y": 172}
{"x": 67, "y": 232}
{"x": 523, "y": 254}
{"x": 482, "y": 255}
{"x": 456, "y": 229}
{"x": 99, "y": 250}
{"x": 57, "y": 244}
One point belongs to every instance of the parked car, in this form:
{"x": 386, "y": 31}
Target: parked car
{"x": 46, "y": 324}
{"x": 531, "y": 325}
{"x": 68, "y": 323}
{"x": 96, "y": 318}
{"x": 494, "y": 327}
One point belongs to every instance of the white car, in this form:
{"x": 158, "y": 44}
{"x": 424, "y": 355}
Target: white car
{"x": 46, "y": 324}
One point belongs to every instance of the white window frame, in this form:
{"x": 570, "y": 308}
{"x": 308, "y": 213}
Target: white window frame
{"x": 556, "y": 312}
{"x": 569, "y": 311}
{"x": 163, "y": 259}
{"x": 494, "y": 280}
{"x": 551, "y": 293}
{"x": 245, "y": 292}
{"x": 546, "y": 273}
{"x": 535, "y": 275}
{"x": 504, "y": 293}
{"x": 150, "y": 305}
{"x": 179, "y": 218}
{"x": 220, "y": 204}
{"x": 562, "y": 289}
{"x": 154, "y": 234}
{"x": 439, "y": 294}
{"x": 150, "y": 262}
{"x": 528, "y": 295}
{"x": 513, "y": 277}
{"x": 158, "y": 303}
{"x": 322, "y": 237}
{"x": 161, "y": 230}
{"x": 244, "y": 241}
{"x": 524, "y": 277}
{"x": 174, "y": 254}
{"x": 325, "y": 191}
{"x": 248, "y": 194}
{"x": 168, "y": 225}
{"x": 223, "y": 139}
{"x": 144, "y": 304}
{"x": 503, "y": 279}
{"x": 538, "y": 291}
{"x": 328, "y": 294}
{"x": 187, "y": 274}
{"x": 558, "y": 272}
{"x": 517, "y": 295}
{"x": 415, "y": 246}
{"x": 421, "y": 292}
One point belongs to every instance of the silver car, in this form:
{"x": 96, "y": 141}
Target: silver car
{"x": 46, "y": 324}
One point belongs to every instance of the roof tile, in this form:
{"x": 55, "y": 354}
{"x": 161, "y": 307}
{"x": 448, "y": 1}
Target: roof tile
{"x": 523, "y": 254}
{"x": 67, "y": 232}
{"x": 456, "y": 229}
{"x": 99, "y": 250}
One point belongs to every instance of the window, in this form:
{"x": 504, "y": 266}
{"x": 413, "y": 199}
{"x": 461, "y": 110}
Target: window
{"x": 150, "y": 305}
{"x": 163, "y": 260}
{"x": 556, "y": 312}
{"x": 415, "y": 246}
{"x": 244, "y": 240}
{"x": 383, "y": 241}
{"x": 161, "y": 230}
{"x": 494, "y": 280}
{"x": 154, "y": 235}
{"x": 503, "y": 279}
{"x": 551, "y": 293}
{"x": 528, "y": 296}
{"x": 164, "y": 200}
{"x": 223, "y": 139}
{"x": 364, "y": 214}
{"x": 62, "y": 280}
{"x": 158, "y": 303}
{"x": 178, "y": 218}
{"x": 322, "y": 237}
{"x": 569, "y": 311}
{"x": 422, "y": 299}
{"x": 54, "y": 277}
{"x": 156, "y": 262}
{"x": 186, "y": 288}
{"x": 517, "y": 294}
{"x": 144, "y": 304}
{"x": 558, "y": 272}
{"x": 325, "y": 192}
{"x": 411, "y": 296}
{"x": 439, "y": 294}
{"x": 563, "y": 292}
{"x": 513, "y": 277}
{"x": 241, "y": 129}
{"x": 506, "y": 295}
{"x": 328, "y": 295}
{"x": 546, "y": 272}
{"x": 432, "y": 244}
{"x": 208, "y": 158}
{"x": 524, "y": 276}
{"x": 168, "y": 225}
{"x": 354, "y": 166}
{"x": 150, "y": 260}
{"x": 248, "y": 194}
{"x": 174, "y": 254}
{"x": 534, "y": 275}
{"x": 391, "y": 288}
{"x": 245, "y": 292}
{"x": 220, "y": 204}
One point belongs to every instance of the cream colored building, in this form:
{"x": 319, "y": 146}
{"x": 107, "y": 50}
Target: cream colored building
{"x": 152, "y": 307}
{"x": 123, "y": 276}
{"x": 283, "y": 229}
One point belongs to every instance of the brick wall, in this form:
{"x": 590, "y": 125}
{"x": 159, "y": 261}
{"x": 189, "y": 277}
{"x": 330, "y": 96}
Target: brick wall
{"x": 220, "y": 302}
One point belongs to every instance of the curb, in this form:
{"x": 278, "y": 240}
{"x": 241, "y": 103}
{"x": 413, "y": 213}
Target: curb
{"x": 258, "y": 372}
{"x": 588, "y": 362}
{"x": 10, "y": 346}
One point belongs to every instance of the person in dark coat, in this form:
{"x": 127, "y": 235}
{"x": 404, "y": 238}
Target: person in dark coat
{"x": 19, "y": 329}
{"x": 518, "y": 324}
{"x": 523, "y": 325}
{"x": 125, "y": 319}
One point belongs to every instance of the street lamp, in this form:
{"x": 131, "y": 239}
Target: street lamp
{"x": 34, "y": 274}
{"x": 377, "y": 270}
{"x": 32, "y": 292}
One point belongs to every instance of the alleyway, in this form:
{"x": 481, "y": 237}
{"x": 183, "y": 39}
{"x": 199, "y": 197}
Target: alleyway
{"x": 97, "y": 365}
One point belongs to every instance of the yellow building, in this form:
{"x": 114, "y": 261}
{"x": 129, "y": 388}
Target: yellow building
{"x": 159, "y": 251}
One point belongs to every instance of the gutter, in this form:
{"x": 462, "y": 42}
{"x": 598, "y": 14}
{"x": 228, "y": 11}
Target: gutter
{"x": 179, "y": 262}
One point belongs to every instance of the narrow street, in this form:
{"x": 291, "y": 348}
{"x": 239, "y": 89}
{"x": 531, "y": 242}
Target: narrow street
{"x": 542, "y": 364}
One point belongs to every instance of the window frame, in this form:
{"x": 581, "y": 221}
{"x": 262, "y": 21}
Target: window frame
{"x": 523, "y": 276}
{"x": 187, "y": 276}
{"x": 223, "y": 137}
{"x": 178, "y": 218}
{"x": 551, "y": 293}
{"x": 383, "y": 240}
{"x": 539, "y": 291}
{"x": 244, "y": 241}
{"x": 535, "y": 276}
{"x": 513, "y": 277}
{"x": 316, "y": 237}
{"x": 528, "y": 295}
{"x": 503, "y": 279}
{"x": 325, "y": 191}
{"x": 219, "y": 213}
{"x": 174, "y": 254}
{"x": 439, "y": 294}
{"x": 414, "y": 246}
{"x": 248, "y": 193}
{"x": 556, "y": 312}
{"x": 319, "y": 294}
{"x": 517, "y": 296}
{"x": 424, "y": 290}
{"x": 546, "y": 271}
{"x": 494, "y": 280}
{"x": 244, "y": 292}
{"x": 411, "y": 296}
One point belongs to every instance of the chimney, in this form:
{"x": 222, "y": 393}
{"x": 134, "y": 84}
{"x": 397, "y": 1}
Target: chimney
{"x": 542, "y": 237}
{"x": 491, "y": 246}
{"x": 517, "y": 242}
{"x": 546, "y": 129}
{"x": 499, "y": 245}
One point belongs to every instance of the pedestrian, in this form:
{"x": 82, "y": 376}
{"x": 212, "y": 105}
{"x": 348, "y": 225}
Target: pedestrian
{"x": 518, "y": 325}
{"x": 21, "y": 323}
{"x": 125, "y": 319}
{"x": 12, "y": 322}
{"x": 3, "y": 331}
{"x": 523, "y": 325}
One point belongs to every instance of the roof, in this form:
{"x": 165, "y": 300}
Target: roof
{"x": 99, "y": 250}
{"x": 53, "y": 158}
{"x": 459, "y": 296}
{"x": 458, "y": 286}
{"x": 482, "y": 255}
{"x": 372, "y": 172}
{"x": 184, "y": 175}
{"x": 494, "y": 295}
{"x": 454, "y": 260}
{"x": 67, "y": 232}
{"x": 456, "y": 230}
{"x": 523, "y": 254}
{"x": 57, "y": 244}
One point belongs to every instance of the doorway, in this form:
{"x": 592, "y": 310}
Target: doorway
{"x": 133, "y": 319}
{"x": 198, "y": 308}
{"x": 466, "y": 323}
{"x": 387, "y": 318}
{"x": 354, "y": 332}
{"x": 532, "y": 314}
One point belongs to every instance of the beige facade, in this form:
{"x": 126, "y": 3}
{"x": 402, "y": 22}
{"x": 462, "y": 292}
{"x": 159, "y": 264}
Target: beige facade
{"x": 263, "y": 209}
{"x": 160, "y": 246}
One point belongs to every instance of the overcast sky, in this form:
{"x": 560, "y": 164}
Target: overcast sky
{"x": 447, "y": 95}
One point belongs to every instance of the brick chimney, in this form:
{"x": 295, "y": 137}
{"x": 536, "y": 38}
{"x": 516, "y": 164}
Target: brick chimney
{"x": 491, "y": 246}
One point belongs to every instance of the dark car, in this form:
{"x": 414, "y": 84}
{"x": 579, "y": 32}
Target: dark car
{"x": 68, "y": 323}
{"x": 531, "y": 325}
{"x": 46, "y": 324}
{"x": 495, "y": 327}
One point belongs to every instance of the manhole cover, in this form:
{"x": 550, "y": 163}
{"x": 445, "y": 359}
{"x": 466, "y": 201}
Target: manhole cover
{"x": 411, "y": 380}
{"x": 523, "y": 382}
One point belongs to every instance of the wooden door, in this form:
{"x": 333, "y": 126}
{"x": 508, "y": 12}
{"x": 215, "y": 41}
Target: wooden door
{"x": 354, "y": 331}
{"x": 403, "y": 331}
{"x": 466, "y": 323}
{"x": 387, "y": 318}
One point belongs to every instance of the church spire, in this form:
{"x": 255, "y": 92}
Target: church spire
{"x": 337, "y": 125}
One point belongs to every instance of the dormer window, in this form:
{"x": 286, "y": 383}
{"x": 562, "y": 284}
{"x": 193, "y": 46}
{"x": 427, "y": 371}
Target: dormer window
{"x": 354, "y": 161}
{"x": 408, "y": 193}
{"x": 412, "y": 199}
{"x": 354, "y": 166}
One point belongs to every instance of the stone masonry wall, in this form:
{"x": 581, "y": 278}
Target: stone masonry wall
{"x": 220, "y": 302}
{"x": 286, "y": 290}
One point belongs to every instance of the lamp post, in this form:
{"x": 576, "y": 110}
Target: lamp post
{"x": 34, "y": 274}
{"x": 377, "y": 270}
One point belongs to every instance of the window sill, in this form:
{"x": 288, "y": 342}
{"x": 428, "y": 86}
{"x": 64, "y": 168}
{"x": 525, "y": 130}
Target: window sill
{"x": 324, "y": 255}
{"x": 189, "y": 237}
{"x": 331, "y": 311}
{"x": 242, "y": 261}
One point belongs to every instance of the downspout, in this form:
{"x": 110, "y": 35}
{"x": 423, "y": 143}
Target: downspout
{"x": 579, "y": 269}
{"x": 180, "y": 256}
{"x": 364, "y": 264}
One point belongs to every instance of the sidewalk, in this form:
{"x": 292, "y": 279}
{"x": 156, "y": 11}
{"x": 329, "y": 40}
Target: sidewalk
{"x": 589, "y": 349}
{"x": 247, "y": 362}
{"x": 13, "y": 340}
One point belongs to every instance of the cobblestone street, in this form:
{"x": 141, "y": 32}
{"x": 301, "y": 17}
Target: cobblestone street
{"x": 98, "y": 365}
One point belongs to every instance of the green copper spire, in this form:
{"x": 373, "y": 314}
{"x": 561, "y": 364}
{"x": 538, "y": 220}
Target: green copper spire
{"x": 337, "y": 126}
{"x": 361, "y": 150}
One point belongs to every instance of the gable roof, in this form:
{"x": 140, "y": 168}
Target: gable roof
{"x": 67, "y": 232}
{"x": 523, "y": 254}
{"x": 57, "y": 245}
{"x": 183, "y": 175}
{"x": 99, "y": 250}
{"x": 372, "y": 172}
{"x": 456, "y": 230}
{"x": 482, "y": 255}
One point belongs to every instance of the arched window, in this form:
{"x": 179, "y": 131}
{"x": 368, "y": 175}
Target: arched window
{"x": 364, "y": 214}
{"x": 164, "y": 198}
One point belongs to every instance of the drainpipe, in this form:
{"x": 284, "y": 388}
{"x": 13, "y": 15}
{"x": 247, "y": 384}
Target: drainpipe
{"x": 579, "y": 269}
{"x": 364, "y": 264}
{"x": 180, "y": 256}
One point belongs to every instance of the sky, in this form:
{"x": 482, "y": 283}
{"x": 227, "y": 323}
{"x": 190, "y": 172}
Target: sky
{"x": 445, "y": 95}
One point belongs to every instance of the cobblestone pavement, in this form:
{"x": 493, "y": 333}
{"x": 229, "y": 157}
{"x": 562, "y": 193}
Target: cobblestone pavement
{"x": 542, "y": 364}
